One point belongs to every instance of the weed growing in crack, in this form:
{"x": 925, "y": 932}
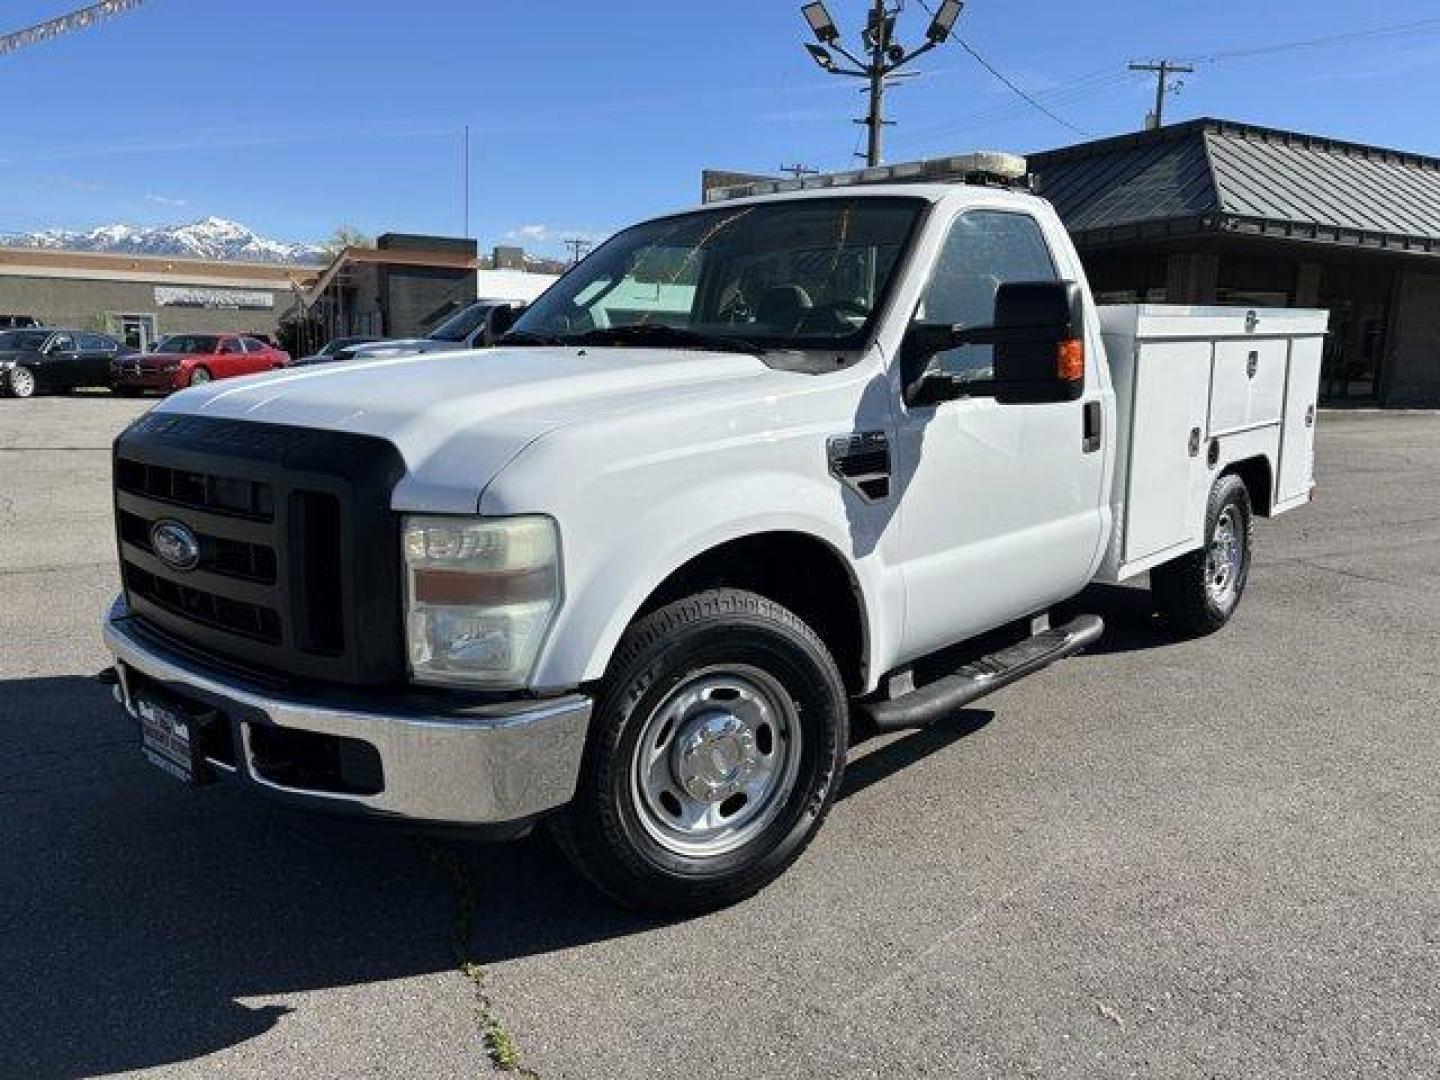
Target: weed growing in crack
{"x": 499, "y": 1044}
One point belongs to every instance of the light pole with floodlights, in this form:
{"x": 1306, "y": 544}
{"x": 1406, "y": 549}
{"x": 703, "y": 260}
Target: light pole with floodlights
{"x": 886, "y": 54}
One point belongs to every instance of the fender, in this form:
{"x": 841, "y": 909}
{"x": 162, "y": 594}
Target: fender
{"x": 608, "y": 582}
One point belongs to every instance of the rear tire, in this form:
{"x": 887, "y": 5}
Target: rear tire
{"x": 20, "y": 382}
{"x": 1197, "y": 593}
{"x": 715, "y": 752}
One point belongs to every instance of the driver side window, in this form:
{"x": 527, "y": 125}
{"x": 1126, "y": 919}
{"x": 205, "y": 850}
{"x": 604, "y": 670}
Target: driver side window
{"x": 985, "y": 249}
{"x": 62, "y": 343}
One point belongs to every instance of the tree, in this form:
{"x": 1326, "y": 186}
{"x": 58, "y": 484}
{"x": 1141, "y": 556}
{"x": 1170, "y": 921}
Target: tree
{"x": 345, "y": 236}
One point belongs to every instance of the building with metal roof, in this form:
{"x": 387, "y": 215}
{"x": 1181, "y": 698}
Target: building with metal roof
{"x": 1213, "y": 211}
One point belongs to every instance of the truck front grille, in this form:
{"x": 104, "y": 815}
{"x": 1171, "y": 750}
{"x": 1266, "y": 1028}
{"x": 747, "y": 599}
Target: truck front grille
{"x": 298, "y": 551}
{"x": 209, "y": 609}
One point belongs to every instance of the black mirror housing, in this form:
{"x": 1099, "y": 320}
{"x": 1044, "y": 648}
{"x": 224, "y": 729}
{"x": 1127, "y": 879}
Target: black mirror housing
{"x": 1039, "y": 342}
{"x": 1039, "y": 338}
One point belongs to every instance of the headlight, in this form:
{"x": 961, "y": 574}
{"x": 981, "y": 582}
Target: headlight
{"x": 480, "y": 596}
{"x": 170, "y": 369}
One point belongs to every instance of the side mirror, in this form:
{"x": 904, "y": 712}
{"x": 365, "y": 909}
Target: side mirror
{"x": 1039, "y": 348}
{"x": 1040, "y": 342}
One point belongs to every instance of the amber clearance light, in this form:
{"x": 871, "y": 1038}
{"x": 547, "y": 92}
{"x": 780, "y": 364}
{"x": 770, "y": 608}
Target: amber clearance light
{"x": 1070, "y": 360}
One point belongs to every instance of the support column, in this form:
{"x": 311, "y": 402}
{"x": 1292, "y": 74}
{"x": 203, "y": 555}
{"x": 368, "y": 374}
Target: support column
{"x": 1191, "y": 277}
{"x": 1307, "y": 285}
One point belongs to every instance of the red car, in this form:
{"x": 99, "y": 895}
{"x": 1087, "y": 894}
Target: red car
{"x": 182, "y": 360}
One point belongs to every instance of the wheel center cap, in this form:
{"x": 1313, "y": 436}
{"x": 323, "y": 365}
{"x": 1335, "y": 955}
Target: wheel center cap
{"x": 714, "y": 756}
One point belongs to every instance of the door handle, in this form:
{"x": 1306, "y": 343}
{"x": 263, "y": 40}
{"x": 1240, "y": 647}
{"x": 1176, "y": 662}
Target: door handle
{"x": 1093, "y": 423}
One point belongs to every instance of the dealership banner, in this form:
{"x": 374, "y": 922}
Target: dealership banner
{"x": 220, "y": 299}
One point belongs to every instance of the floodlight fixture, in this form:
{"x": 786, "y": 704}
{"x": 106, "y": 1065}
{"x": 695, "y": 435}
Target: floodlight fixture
{"x": 821, "y": 55}
{"x": 820, "y": 22}
{"x": 946, "y": 15}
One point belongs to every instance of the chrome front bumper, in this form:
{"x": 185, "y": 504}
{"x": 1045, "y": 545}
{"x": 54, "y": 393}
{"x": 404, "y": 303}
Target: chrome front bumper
{"x": 490, "y": 765}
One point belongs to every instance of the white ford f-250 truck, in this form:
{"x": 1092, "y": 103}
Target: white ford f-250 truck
{"x": 748, "y": 481}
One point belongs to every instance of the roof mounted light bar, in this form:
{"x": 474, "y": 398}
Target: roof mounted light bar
{"x": 992, "y": 168}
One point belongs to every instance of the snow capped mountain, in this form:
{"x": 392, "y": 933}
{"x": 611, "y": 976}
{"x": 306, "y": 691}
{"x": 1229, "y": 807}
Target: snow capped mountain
{"x": 209, "y": 238}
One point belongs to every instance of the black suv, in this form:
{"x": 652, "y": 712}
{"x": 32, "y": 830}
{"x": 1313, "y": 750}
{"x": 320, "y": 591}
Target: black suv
{"x": 32, "y": 361}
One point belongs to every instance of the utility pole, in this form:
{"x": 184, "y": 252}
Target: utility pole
{"x": 465, "y": 178}
{"x": 579, "y": 248}
{"x": 1162, "y": 69}
{"x": 886, "y": 55}
{"x": 799, "y": 171}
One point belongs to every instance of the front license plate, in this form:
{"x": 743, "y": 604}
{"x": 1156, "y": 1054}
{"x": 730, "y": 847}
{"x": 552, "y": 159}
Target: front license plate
{"x": 165, "y": 739}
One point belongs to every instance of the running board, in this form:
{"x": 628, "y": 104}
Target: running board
{"x": 974, "y": 680}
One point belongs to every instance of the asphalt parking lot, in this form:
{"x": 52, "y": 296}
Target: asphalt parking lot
{"x": 1217, "y": 858}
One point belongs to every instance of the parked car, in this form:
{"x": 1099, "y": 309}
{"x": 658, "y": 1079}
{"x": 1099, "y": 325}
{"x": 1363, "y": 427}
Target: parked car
{"x": 182, "y": 360}
{"x": 474, "y": 327}
{"x": 18, "y": 322}
{"x": 35, "y": 361}
{"x": 640, "y": 580}
{"x": 339, "y": 349}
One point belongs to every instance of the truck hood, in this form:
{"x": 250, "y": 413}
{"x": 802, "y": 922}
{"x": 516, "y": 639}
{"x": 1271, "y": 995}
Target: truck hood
{"x": 458, "y": 418}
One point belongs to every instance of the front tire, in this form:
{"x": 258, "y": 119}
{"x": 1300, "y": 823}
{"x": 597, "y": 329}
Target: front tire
{"x": 20, "y": 382}
{"x": 200, "y": 376}
{"x": 1197, "y": 593}
{"x": 714, "y": 755}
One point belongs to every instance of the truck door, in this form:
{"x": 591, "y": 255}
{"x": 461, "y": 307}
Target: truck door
{"x": 1001, "y": 510}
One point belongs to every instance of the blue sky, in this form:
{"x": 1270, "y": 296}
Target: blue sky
{"x": 295, "y": 117}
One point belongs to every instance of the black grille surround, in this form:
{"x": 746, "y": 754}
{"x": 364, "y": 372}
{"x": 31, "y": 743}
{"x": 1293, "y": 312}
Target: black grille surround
{"x": 299, "y": 576}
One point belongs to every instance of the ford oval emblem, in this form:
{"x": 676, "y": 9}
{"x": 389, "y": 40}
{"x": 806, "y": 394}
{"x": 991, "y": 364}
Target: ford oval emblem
{"x": 175, "y": 545}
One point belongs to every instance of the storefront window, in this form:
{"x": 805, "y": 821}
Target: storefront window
{"x": 1358, "y": 297}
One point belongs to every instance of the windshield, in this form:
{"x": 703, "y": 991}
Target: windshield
{"x": 799, "y": 274}
{"x": 22, "y": 340}
{"x": 460, "y": 325}
{"x": 187, "y": 343}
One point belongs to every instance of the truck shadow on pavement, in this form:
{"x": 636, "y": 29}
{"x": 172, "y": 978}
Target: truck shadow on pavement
{"x": 144, "y": 924}
{"x": 1131, "y": 624}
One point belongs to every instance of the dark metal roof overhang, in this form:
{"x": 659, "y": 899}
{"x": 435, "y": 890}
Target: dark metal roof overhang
{"x": 1215, "y": 178}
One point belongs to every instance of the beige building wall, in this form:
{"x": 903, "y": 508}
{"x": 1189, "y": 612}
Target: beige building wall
{"x": 94, "y": 304}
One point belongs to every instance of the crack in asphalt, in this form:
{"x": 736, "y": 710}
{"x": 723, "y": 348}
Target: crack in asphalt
{"x": 500, "y": 1046}
{"x": 50, "y": 449}
{"x": 13, "y": 572}
{"x": 1349, "y": 573}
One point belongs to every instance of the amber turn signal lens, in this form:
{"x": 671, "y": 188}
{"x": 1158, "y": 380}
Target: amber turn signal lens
{"x": 1070, "y": 360}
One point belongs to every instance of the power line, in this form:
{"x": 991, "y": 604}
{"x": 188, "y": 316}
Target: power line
{"x": 1006, "y": 81}
{"x": 993, "y": 70}
{"x": 1083, "y": 89}
{"x": 64, "y": 24}
{"x": 1418, "y": 25}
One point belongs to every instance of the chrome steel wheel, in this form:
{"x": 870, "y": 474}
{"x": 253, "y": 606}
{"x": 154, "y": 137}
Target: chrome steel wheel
{"x": 1224, "y": 559}
{"x": 716, "y": 761}
{"x": 22, "y": 381}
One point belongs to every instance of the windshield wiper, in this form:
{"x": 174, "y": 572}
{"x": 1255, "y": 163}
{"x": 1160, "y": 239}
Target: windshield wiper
{"x": 660, "y": 334}
{"x": 529, "y": 337}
